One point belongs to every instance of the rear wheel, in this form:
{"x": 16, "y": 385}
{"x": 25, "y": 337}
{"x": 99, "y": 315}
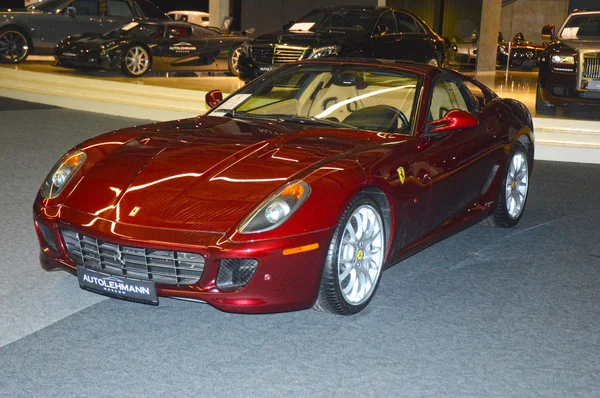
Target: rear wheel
{"x": 542, "y": 107}
{"x": 136, "y": 61}
{"x": 234, "y": 61}
{"x": 513, "y": 194}
{"x": 355, "y": 259}
{"x": 14, "y": 46}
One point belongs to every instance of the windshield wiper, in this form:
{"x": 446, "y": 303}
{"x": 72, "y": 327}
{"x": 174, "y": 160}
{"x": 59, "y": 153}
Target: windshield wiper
{"x": 291, "y": 118}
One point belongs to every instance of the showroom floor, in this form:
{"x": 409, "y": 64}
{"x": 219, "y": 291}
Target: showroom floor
{"x": 488, "y": 312}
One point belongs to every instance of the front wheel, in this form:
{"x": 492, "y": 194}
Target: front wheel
{"x": 234, "y": 61}
{"x": 514, "y": 190}
{"x": 136, "y": 61}
{"x": 14, "y": 46}
{"x": 355, "y": 259}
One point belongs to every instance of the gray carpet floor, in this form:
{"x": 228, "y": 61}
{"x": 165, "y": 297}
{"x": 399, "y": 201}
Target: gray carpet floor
{"x": 486, "y": 313}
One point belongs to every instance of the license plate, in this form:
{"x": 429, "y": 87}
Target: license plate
{"x": 266, "y": 68}
{"x": 117, "y": 286}
{"x": 71, "y": 55}
{"x": 594, "y": 85}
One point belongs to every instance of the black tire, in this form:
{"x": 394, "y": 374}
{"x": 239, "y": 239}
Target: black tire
{"x": 15, "y": 45}
{"x": 542, "y": 107}
{"x": 331, "y": 298}
{"x": 128, "y": 60}
{"x": 233, "y": 61}
{"x": 501, "y": 216}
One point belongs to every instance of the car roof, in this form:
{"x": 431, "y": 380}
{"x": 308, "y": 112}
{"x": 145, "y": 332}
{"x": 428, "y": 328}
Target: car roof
{"x": 412, "y": 67}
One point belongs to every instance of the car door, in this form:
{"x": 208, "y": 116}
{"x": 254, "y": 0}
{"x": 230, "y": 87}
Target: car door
{"x": 181, "y": 49}
{"x": 459, "y": 161}
{"x": 118, "y": 12}
{"x": 385, "y": 37}
{"x": 413, "y": 43}
{"x": 77, "y": 16}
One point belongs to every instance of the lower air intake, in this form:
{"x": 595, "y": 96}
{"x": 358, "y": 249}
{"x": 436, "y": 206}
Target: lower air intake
{"x": 235, "y": 273}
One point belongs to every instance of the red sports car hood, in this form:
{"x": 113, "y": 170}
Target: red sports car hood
{"x": 204, "y": 174}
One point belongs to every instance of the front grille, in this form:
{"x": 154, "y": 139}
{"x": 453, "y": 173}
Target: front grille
{"x": 278, "y": 54}
{"x": 235, "y": 273}
{"x": 591, "y": 68}
{"x": 161, "y": 266}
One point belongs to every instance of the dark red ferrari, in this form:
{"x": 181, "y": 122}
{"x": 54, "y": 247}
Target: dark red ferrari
{"x": 294, "y": 192}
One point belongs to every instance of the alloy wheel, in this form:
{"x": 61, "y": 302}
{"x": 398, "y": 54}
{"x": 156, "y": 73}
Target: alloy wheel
{"x": 235, "y": 59}
{"x": 137, "y": 61}
{"x": 13, "y": 46}
{"x": 517, "y": 184}
{"x": 360, "y": 255}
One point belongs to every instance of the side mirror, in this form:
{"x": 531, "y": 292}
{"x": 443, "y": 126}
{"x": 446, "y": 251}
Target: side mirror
{"x": 548, "y": 32}
{"x": 213, "y": 98}
{"x": 381, "y": 30}
{"x": 287, "y": 25}
{"x": 454, "y": 120}
{"x": 248, "y": 32}
{"x": 174, "y": 33}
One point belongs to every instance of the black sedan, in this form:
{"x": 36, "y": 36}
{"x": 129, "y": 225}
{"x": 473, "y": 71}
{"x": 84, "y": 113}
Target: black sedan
{"x": 141, "y": 46}
{"x": 345, "y": 31}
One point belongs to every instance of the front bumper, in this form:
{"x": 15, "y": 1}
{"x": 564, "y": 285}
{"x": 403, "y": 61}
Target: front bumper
{"x": 561, "y": 88}
{"x": 87, "y": 60}
{"x": 280, "y": 283}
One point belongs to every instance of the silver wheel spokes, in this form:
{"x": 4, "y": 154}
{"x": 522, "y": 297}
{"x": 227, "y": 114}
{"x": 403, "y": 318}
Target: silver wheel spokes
{"x": 360, "y": 255}
{"x": 517, "y": 183}
{"x": 137, "y": 60}
{"x": 235, "y": 58}
{"x": 13, "y": 46}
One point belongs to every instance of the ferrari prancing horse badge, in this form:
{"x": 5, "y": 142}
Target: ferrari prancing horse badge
{"x": 401, "y": 174}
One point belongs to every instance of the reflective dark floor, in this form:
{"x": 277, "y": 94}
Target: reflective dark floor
{"x": 486, "y": 313}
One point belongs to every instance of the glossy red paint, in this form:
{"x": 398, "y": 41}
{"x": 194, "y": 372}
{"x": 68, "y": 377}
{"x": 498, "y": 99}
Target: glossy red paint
{"x": 195, "y": 181}
{"x": 454, "y": 120}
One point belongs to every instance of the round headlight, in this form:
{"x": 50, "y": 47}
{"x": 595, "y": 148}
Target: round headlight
{"x": 61, "y": 173}
{"x": 276, "y": 211}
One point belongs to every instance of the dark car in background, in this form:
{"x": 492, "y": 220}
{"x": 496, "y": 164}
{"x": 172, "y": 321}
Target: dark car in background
{"x": 141, "y": 46}
{"x": 345, "y": 31}
{"x": 37, "y": 29}
{"x": 570, "y": 64}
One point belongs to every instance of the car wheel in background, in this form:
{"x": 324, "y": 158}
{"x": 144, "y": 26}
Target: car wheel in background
{"x": 355, "y": 259}
{"x": 514, "y": 190}
{"x": 14, "y": 46}
{"x": 433, "y": 62}
{"x": 234, "y": 61}
{"x": 136, "y": 60}
{"x": 542, "y": 107}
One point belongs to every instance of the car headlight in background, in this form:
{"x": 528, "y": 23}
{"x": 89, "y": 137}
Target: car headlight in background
{"x": 324, "y": 52}
{"x": 278, "y": 208}
{"x": 503, "y": 50}
{"x": 563, "y": 59}
{"x": 60, "y": 175}
{"x": 246, "y": 48}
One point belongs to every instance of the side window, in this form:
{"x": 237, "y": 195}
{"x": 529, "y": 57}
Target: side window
{"x": 178, "y": 32}
{"x": 406, "y": 23}
{"x": 446, "y": 97}
{"x": 86, "y": 7}
{"x": 118, "y": 8}
{"x": 476, "y": 96}
{"x": 385, "y": 25}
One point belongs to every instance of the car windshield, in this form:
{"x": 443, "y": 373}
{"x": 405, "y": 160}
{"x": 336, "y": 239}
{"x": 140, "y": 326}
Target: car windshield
{"x": 137, "y": 29}
{"x": 375, "y": 98}
{"x": 338, "y": 19}
{"x": 583, "y": 25}
{"x": 48, "y": 5}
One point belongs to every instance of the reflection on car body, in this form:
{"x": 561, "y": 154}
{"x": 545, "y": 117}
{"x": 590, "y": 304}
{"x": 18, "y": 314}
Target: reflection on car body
{"x": 294, "y": 192}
